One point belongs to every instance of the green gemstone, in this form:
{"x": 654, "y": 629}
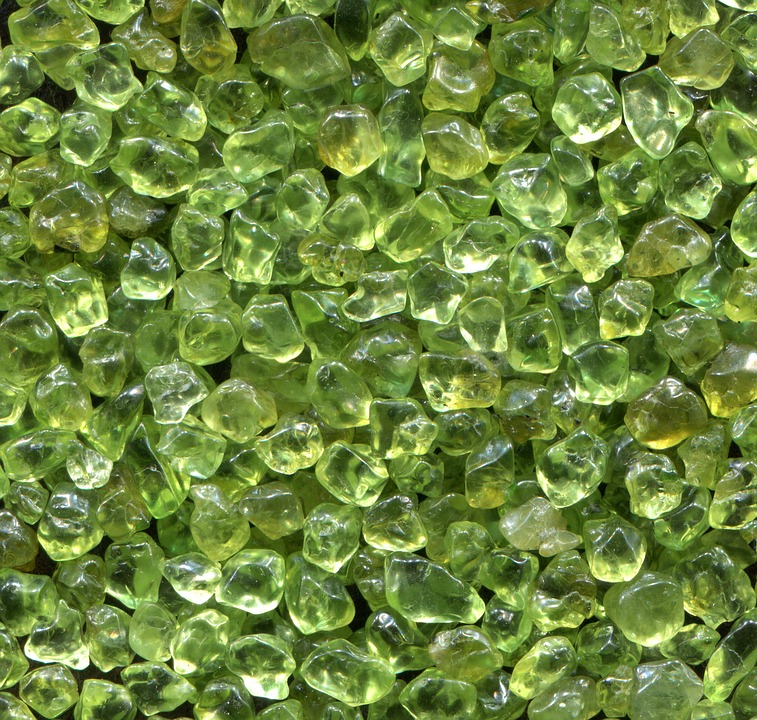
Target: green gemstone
{"x": 615, "y": 549}
{"x": 138, "y": 32}
{"x": 655, "y": 111}
{"x": 547, "y": 661}
{"x": 453, "y": 146}
{"x": 714, "y": 588}
{"x": 647, "y": 609}
{"x": 103, "y": 77}
{"x": 564, "y": 594}
{"x": 701, "y": 59}
{"x": 205, "y": 40}
{"x": 609, "y": 41}
{"x": 316, "y": 600}
{"x": 528, "y": 188}
{"x": 424, "y": 591}
{"x": 664, "y": 686}
{"x": 156, "y": 688}
{"x": 573, "y": 468}
{"x": 400, "y": 47}
{"x": 523, "y": 51}
{"x": 320, "y": 59}
{"x": 72, "y": 217}
{"x": 341, "y": 670}
{"x": 264, "y": 662}
{"x": 586, "y": 108}
{"x": 107, "y": 638}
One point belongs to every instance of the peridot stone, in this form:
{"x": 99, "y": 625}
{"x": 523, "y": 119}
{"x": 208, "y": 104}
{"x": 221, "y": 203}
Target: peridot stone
{"x": 648, "y": 609}
{"x": 341, "y": 670}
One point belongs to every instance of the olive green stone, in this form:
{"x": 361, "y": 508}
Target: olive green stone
{"x": 156, "y": 166}
{"x": 138, "y": 32}
{"x": 156, "y": 688}
{"x": 252, "y": 580}
{"x": 59, "y": 639}
{"x": 573, "y": 468}
{"x": 523, "y": 51}
{"x": 28, "y": 128}
{"x": 665, "y": 686}
{"x": 655, "y": 111}
{"x": 400, "y": 47}
{"x": 730, "y": 382}
{"x": 192, "y": 575}
{"x": 351, "y": 473}
{"x": 264, "y": 662}
{"x": 341, "y": 670}
{"x": 594, "y": 245}
{"x": 729, "y": 140}
{"x": 200, "y": 643}
{"x": 733, "y": 659}
{"x": 667, "y": 244}
{"x": 106, "y": 635}
{"x": 431, "y": 695}
{"x": 104, "y": 700}
{"x": 103, "y": 76}
{"x": 454, "y": 382}
{"x": 508, "y": 126}
{"x": 465, "y": 653}
{"x": 260, "y": 149}
{"x": 665, "y": 415}
{"x": 654, "y": 486}
{"x": 458, "y": 78}
{"x": 714, "y": 587}
{"x": 316, "y": 600}
{"x": 399, "y": 121}
{"x": 601, "y": 648}
{"x": 609, "y": 41}
{"x": 132, "y": 570}
{"x": 205, "y": 40}
{"x": 72, "y": 217}
{"x": 629, "y": 182}
{"x": 15, "y": 709}
{"x": 453, "y": 146}
{"x": 349, "y": 139}
{"x": 528, "y": 188}
{"x": 424, "y": 591}
{"x": 49, "y": 690}
{"x": 398, "y": 641}
{"x": 689, "y": 182}
{"x": 407, "y": 233}
{"x": 564, "y": 593}
{"x": 693, "y": 644}
{"x": 319, "y": 59}
{"x": 577, "y": 695}
{"x": 615, "y": 549}
{"x": 587, "y": 108}
{"x": 648, "y": 609}
{"x": 701, "y": 59}
{"x": 548, "y": 660}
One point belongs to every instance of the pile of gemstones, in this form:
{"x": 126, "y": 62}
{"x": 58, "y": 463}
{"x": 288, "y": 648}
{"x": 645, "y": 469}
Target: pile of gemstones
{"x": 378, "y": 359}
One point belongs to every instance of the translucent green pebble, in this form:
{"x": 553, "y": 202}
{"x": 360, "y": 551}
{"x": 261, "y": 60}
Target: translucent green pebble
{"x": 648, "y": 609}
{"x": 587, "y": 108}
{"x": 316, "y": 600}
{"x": 655, "y": 111}
{"x": 264, "y": 662}
{"x": 103, "y": 76}
{"x": 156, "y": 688}
{"x": 343, "y": 671}
{"x": 426, "y": 592}
{"x": 155, "y": 166}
